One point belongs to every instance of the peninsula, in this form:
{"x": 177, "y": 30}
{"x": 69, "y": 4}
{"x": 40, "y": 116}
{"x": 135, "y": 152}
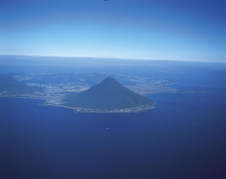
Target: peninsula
{"x": 109, "y": 96}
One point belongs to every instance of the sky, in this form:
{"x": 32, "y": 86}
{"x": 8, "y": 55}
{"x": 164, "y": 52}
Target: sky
{"x": 186, "y": 30}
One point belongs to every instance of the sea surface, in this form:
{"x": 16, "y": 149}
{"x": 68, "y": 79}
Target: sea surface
{"x": 184, "y": 137}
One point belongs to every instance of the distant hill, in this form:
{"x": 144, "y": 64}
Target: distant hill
{"x": 107, "y": 96}
{"x": 12, "y": 87}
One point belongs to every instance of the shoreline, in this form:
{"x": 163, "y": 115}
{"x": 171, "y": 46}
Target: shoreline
{"x": 84, "y": 110}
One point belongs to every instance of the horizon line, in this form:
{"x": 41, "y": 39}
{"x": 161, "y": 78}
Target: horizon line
{"x": 116, "y": 58}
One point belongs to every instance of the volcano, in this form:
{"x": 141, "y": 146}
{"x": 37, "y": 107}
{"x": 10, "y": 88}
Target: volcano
{"x": 108, "y": 96}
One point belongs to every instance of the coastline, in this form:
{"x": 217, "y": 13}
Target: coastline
{"x": 86, "y": 110}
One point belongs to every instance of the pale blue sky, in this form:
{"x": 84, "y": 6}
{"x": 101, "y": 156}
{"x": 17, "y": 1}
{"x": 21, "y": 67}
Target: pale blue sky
{"x": 136, "y": 29}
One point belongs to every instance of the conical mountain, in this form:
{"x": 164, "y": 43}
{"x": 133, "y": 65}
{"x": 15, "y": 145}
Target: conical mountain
{"x": 107, "y": 95}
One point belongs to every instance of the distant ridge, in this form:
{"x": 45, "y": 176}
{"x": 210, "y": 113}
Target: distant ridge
{"x": 108, "y": 96}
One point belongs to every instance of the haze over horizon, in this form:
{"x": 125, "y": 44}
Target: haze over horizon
{"x": 167, "y": 30}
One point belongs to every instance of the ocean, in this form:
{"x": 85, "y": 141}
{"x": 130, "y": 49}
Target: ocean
{"x": 183, "y": 137}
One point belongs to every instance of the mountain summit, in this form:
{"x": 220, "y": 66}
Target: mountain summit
{"x": 108, "y": 96}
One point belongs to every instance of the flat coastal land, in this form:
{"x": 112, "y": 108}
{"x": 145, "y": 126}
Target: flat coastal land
{"x": 52, "y": 88}
{"x": 86, "y": 110}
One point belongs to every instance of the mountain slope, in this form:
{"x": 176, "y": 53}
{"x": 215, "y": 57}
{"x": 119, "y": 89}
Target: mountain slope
{"x": 107, "y": 95}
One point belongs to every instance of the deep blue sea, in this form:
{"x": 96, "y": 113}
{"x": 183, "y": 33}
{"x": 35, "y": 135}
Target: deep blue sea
{"x": 184, "y": 137}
